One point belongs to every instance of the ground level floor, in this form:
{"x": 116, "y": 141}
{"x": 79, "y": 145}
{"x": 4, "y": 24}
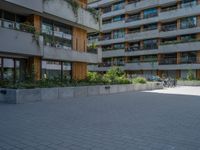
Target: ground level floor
{"x": 178, "y": 74}
{"x": 126, "y": 121}
{"x": 18, "y": 68}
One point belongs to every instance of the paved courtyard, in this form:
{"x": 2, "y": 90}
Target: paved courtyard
{"x": 128, "y": 121}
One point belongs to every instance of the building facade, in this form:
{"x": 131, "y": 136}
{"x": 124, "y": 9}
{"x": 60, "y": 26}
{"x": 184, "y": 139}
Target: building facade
{"x": 47, "y": 38}
{"x": 149, "y": 37}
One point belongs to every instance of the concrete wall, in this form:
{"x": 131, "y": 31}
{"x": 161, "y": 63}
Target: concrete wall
{"x": 62, "y": 9}
{"x": 188, "y": 83}
{"x": 141, "y": 66}
{"x": 36, "y": 5}
{"x": 69, "y": 55}
{"x": 53, "y": 94}
{"x": 29, "y": 46}
{"x": 183, "y": 47}
{"x": 114, "y": 53}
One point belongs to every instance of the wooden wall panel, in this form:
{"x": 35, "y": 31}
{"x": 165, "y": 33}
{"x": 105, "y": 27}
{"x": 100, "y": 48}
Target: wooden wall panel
{"x": 79, "y": 69}
{"x": 79, "y": 39}
{"x": 34, "y": 64}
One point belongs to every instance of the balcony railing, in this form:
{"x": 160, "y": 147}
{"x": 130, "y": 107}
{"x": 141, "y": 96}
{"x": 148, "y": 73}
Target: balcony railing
{"x": 181, "y": 60}
{"x": 133, "y": 18}
{"x": 24, "y": 27}
{"x": 149, "y": 47}
{"x": 178, "y": 42}
{"x": 170, "y": 27}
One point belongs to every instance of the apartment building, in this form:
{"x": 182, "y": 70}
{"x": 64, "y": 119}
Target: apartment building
{"x": 149, "y": 37}
{"x": 47, "y": 38}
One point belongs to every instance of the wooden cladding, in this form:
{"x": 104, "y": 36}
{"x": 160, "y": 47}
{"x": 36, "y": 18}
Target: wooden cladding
{"x": 79, "y": 70}
{"x": 79, "y": 39}
{"x": 34, "y": 65}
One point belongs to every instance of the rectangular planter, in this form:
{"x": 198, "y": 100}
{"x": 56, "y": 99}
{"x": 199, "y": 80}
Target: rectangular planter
{"x": 188, "y": 83}
{"x": 18, "y": 96}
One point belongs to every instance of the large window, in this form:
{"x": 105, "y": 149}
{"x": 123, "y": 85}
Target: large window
{"x": 57, "y": 34}
{"x": 56, "y": 69}
{"x": 188, "y": 22}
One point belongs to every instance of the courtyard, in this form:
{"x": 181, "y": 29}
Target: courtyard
{"x": 127, "y": 121}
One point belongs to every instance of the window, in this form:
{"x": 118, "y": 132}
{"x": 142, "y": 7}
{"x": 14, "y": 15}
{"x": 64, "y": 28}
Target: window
{"x": 150, "y": 27}
{"x": 119, "y": 46}
{"x": 187, "y": 38}
{"x": 57, "y": 34}
{"x": 8, "y": 69}
{"x": 56, "y": 69}
{"x": 150, "y": 13}
{"x": 188, "y": 3}
{"x": 188, "y": 22}
{"x": 118, "y": 6}
{"x": 150, "y": 44}
{"x": 118, "y": 34}
{"x": 118, "y": 18}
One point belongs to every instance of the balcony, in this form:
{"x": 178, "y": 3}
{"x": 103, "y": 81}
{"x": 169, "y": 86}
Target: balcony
{"x": 174, "y": 32}
{"x": 142, "y": 35}
{"x": 179, "y": 13}
{"x": 113, "y": 25}
{"x": 185, "y": 63}
{"x": 58, "y": 53}
{"x": 19, "y": 39}
{"x": 143, "y": 4}
{"x": 35, "y": 5}
{"x": 64, "y": 10}
{"x": 107, "y": 41}
{"x": 114, "y": 53}
{"x": 178, "y": 46}
{"x": 137, "y": 51}
{"x": 141, "y": 21}
{"x": 113, "y": 13}
{"x": 142, "y": 66}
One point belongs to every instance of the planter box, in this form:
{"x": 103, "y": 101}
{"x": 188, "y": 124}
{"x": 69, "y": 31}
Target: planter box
{"x": 18, "y": 96}
{"x": 188, "y": 83}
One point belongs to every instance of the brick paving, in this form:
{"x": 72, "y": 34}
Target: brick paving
{"x": 128, "y": 121}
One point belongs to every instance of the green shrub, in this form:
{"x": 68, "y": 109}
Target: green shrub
{"x": 123, "y": 80}
{"x": 94, "y": 77}
{"x": 139, "y": 80}
{"x": 190, "y": 75}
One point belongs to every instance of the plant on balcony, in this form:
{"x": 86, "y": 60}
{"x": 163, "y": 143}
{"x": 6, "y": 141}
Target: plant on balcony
{"x": 27, "y": 27}
{"x": 95, "y": 13}
{"x": 36, "y": 38}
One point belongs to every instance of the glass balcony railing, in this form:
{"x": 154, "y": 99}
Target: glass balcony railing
{"x": 24, "y": 27}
